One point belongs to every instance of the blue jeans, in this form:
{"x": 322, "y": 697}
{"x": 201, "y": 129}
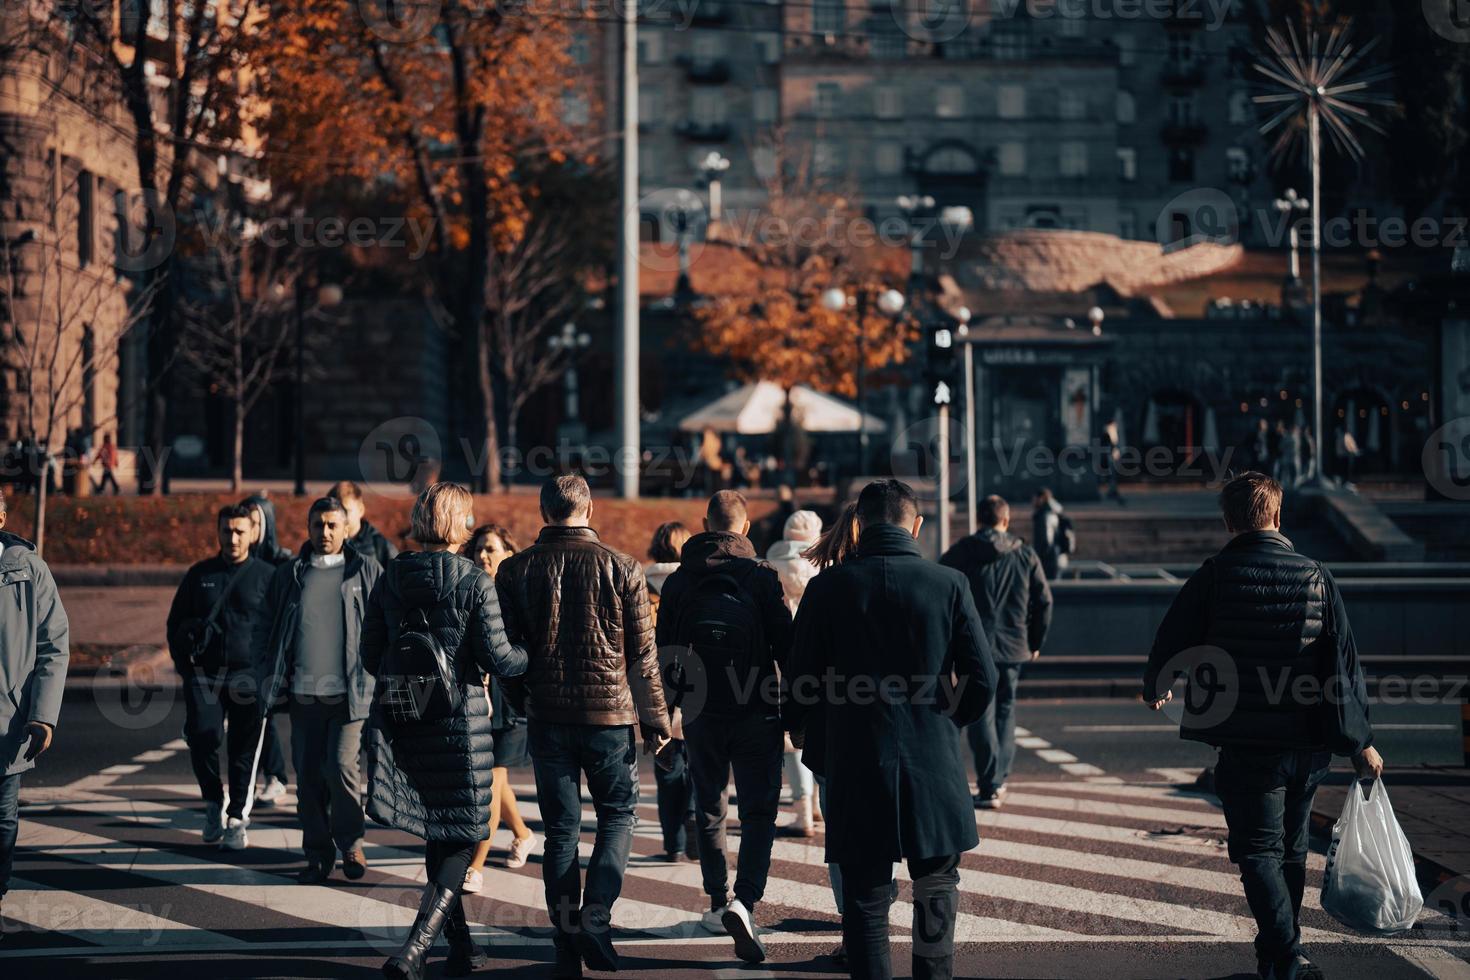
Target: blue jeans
{"x": 675, "y": 798}
{"x": 993, "y": 737}
{"x": 1267, "y": 799}
{"x": 608, "y": 754}
{"x": 9, "y": 825}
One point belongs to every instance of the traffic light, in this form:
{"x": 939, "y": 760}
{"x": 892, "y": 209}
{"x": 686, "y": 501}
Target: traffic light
{"x": 943, "y": 350}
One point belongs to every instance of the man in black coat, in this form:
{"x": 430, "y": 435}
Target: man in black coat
{"x": 737, "y": 725}
{"x": 1010, "y": 591}
{"x": 209, "y": 638}
{"x": 890, "y": 660}
{"x": 1261, "y": 635}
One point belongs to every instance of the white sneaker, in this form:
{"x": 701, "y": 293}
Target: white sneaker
{"x": 235, "y": 836}
{"x": 714, "y": 921}
{"x": 214, "y": 822}
{"x": 272, "y": 793}
{"x": 520, "y": 850}
{"x": 741, "y": 928}
{"x": 473, "y": 882}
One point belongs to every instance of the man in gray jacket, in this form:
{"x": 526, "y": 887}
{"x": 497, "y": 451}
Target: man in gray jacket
{"x": 308, "y": 646}
{"x": 33, "y": 659}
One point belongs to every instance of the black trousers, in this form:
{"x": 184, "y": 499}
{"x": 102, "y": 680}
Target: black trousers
{"x": 750, "y": 747}
{"x": 868, "y": 889}
{"x": 219, "y": 713}
{"x": 446, "y": 861}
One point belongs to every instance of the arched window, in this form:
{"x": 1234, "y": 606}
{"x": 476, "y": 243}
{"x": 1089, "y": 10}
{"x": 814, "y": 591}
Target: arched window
{"x": 950, "y": 160}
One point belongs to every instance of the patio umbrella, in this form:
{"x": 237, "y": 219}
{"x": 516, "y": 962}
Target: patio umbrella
{"x": 756, "y": 409}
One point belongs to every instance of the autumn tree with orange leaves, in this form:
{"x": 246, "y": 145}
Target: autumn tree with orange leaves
{"x": 444, "y": 102}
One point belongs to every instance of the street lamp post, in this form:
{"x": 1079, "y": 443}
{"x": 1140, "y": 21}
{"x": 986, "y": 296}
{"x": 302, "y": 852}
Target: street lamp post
{"x": 890, "y": 303}
{"x": 972, "y": 465}
{"x": 712, "y": 167}
{"x": 570, "y": 340}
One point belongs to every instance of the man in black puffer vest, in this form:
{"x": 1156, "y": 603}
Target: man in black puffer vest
{"x": 1262, "y": 637}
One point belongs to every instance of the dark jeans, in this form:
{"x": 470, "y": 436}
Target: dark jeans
{"x": 219, "y": 714}
{"x": 272, "y": 759}
{"x": 993, "y": 737}
{"x": 1267, "y": 798}
{"x": 608, "y": 754}
{"x": 326, "y": 747}
{"x": 834, "y": 871}
{"x": 9, "y": 825}
{"x": 446, "y": 861}
{"x": 751, "y": 746}
{"x": 868, "y": 890}
{"x": 675, "y": 798}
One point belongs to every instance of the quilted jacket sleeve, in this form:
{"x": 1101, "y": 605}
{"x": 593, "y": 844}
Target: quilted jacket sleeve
{"x": 493, "y": 651}
{"x": 641, "y": 649}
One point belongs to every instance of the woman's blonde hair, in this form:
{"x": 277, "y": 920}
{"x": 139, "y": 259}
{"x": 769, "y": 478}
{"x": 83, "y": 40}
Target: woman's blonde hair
{"x": 442, "y": 514}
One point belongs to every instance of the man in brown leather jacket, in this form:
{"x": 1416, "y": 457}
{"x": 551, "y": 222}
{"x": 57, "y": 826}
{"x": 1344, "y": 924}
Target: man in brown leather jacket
{"x": 581, "y": 611}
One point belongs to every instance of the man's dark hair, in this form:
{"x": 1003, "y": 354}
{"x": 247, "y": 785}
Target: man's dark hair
{"x": 325, "y": 505}
{"x": 727, "y": 511}
{"x": 234, "y": 512}
{"x": 887, "y": 502}
{"x": 1251, "y": 502}
{"x": 994, "y": 511}
{"x": 563, "y": 497}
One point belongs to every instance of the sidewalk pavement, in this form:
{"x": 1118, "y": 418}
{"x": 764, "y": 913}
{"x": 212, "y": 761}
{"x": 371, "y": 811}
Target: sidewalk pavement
{"x": 1431, "y": 804}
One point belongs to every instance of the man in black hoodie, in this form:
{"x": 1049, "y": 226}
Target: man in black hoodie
{"x": 1011, "y": 594}
{"x": 209, "y": 632}
{"x": 724, "y": 608}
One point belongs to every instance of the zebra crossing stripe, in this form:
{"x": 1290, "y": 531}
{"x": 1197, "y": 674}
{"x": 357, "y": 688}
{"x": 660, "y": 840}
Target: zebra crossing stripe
{"x": 1099, "y": 807}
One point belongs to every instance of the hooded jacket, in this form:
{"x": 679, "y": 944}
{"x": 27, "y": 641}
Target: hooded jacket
{"x": 34, "y": 649}
{"x": 369, "y": 541}
{"x": 1010, "y": 591}
{"x": 728, "y": 553}
{"x": 268, "y": 548}
{"x": 201, "y": 588}
{"x": 799, "y": 533}
{"x": 433, "y": 779}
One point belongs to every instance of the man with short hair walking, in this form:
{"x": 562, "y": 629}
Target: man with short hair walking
{"x": 1264, "y": 633}
{"x": 724, "y": 609}
{"x": 581, "y": 612}
{"x": 309, "y": 650}
{"x": 1009, "y": 586}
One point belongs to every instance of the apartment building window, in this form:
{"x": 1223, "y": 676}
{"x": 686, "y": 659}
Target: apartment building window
{"x": 1238, "y": 163}
{"x": 886, "y": 102}
{"x": 1181, "y": 47}
{"x": 649, "y": 105}
{"x": 1074, "y": 21}
{"x": 1072, "y": 159}
{"x": 768, "y": 46}
{"x": 828, "y": 100}
{"x": 1009, "y": 46}
{"x": 1127, "y": 108}
{"x": 1240, "y": 108}
{"x": 86, "y": 218}
{"x": 949, "y": 101}
{"x": 885, "y": 27}
{"x": 1127, "y": 163}
{"x": 764, "y": 105}
{"x": 1010, "y": 101}
{"x": 708, "y": 107}
{"x": 826, "y": 158}
{"x": 888, "y": 159}
{"x": 650, "y": 48}
{"x": 829, "y": 16}
{"x": 575, "y": 110}
{"x": 1127, "y": 50}
{"x": 708, "y": 48}
{"x": 1071, "y": 105}
{"x": 1012, "y": 159}
{"x": 1182, "y": 110}
{"x": 1181, "y": 165}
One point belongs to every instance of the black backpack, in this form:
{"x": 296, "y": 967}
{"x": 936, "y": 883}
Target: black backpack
{"x": 417, "y": 683}
{"x": 719, "y": 624}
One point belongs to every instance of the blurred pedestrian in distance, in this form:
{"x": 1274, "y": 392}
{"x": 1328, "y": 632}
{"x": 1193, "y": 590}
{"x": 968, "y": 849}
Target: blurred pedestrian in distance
{"x": 888, "y": 620}
{"x": 1009, "y": 587}
{"x": 1261, "y": 624}
{"x": 309, "y": 650}
{"x": 210, "y": 627}
{"x": 711, "y": 461}
{"x": 724, "y": 607}
{"x": 1052, "y": 534}
{"x": 362, "y": 537}
{"x": 431, "y": 748}
{"x": 673, "y": 782}
{"x": 107, "y": 456}
{"x": 1289, "y": 459}
{"x": 488, "y": 546}
{"x": 263, "y": 516}
{"x": 34, "y": 652}
{"x": 1260, "y": 446}
{"x": 787, "y": 556}
{"x": 581, "y": 611}
{"x": 265, "y": 548}
{"x": 1112, "y": 455}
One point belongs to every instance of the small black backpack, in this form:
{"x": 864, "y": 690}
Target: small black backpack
{"x": 417, "y": 682}
{"x": 720, "y": 625}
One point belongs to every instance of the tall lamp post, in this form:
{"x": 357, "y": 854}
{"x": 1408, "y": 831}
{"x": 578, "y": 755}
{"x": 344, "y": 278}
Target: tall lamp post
{"x": 328, "y": 295}
{"x": 890, "y": 303}
{"x": 570, "y": 340}
{"x": 713, "y": 167}
{"x": 972, "y": 465}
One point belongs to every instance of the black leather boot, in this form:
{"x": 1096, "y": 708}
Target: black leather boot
{"x": 465, "y": 955}
{"x": 434, "y": 911}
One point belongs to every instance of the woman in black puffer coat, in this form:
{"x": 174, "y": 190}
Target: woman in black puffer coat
{"x": 433, "y": 778}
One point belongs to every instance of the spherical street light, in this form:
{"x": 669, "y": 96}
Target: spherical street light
{"x": 834, "y": 299}
{"x": 891, "y": 301}
{"x": 1096, "y": 316}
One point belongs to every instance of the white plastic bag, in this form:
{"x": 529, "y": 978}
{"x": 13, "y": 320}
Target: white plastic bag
{"x": 1370, "y": 884}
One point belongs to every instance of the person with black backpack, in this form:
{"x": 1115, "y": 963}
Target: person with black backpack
{"x": 209, "y": 631}
{"x": 725, "y": 613}
{"x": 1052, "y": 534}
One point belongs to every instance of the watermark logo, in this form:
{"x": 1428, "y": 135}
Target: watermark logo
{"x": 1450, "y": 19}
{"x": 396, "y": 456}
{"x": 134, "y": 699}
{"x": 676, "y": 217}
{"x": 149, "y": 234}
{"x": 1446, "y": 459}
{"x": 399, "y": 21}
{"x": 1205, "y": 683}
{"x": 1199, "y": 215}
{"x": 933, "y": 21}
{"x": 915, "y": 456}
{"x": 1451, "y": 899}
{"x": 686, "y": 685}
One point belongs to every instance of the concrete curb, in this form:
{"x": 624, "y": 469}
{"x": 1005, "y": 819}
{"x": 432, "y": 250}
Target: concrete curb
{"x": 146, "y": 667}
{"x": 105, "y": 576}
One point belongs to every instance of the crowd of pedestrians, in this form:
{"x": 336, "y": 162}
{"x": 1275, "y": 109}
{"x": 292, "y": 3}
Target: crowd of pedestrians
{"x": 843, "y": 658}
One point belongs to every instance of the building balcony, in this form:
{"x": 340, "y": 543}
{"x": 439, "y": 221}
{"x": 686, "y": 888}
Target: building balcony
{"x": 1184, "y": 133}
{"x": 703, "y": 132}
{"x": 1182, "y": 73}
{"x": 704, "y": 71}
